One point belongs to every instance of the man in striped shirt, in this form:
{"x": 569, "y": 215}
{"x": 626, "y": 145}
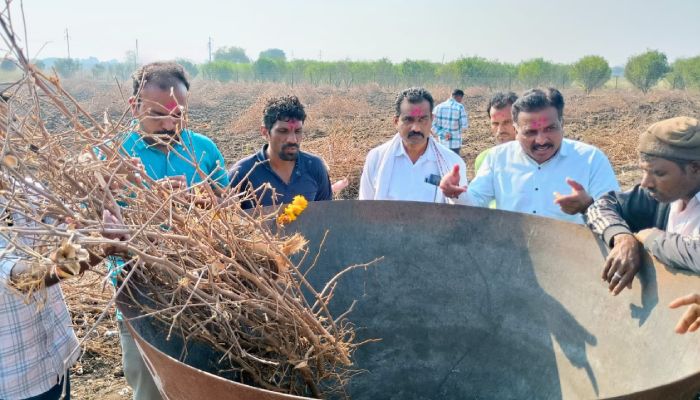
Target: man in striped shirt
{"x": 37, "y": 342}
{"x": 449, "y": 120}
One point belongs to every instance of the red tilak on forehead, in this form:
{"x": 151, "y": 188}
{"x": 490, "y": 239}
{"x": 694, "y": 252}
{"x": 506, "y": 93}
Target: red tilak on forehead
{"x": 171, "y": 106}
{"x": 293, "y": 124}
{"x": 416, "y": 111}
{"x": 501, "y": 114}
{"x": 542, "y": 121}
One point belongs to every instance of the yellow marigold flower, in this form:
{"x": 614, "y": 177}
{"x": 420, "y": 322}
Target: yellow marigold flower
{"x": 300, "y": 201}
{"x": 293, "y": 210}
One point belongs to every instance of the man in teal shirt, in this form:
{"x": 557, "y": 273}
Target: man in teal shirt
{"x": 169, "y": 154}
{"x": 164, "y": 146}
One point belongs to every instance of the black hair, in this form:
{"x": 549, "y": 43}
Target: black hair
{"x": 283, "y": 109}
{"x": 414, "y": 95}
{"x": 501, "y": 100}
{"x": 537, "y": 100}
{"x": 164, "y": 74}
{"x": 458, "y": 93}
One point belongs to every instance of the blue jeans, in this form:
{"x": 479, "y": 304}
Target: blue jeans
{"x": 55, "y": 392}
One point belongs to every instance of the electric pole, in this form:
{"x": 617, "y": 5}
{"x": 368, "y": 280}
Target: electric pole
{"x": 209, "y": 48}
{"x": 137, "y": 49}
{"x": 68, "y": 43}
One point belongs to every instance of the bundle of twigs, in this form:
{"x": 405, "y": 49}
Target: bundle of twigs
{"x": 212, "y": 271}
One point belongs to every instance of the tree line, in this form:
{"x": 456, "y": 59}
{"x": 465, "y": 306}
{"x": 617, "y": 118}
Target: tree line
{"x": 643, "y": 71}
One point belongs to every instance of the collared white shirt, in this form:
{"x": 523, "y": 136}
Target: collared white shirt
{"x": 518, "y": 183}
{"x": 686, "y": 222}
{"x": 408, "y": 179}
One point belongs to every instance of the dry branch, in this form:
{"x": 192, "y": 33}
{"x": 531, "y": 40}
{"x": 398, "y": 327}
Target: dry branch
{"x": 214, "y": 273}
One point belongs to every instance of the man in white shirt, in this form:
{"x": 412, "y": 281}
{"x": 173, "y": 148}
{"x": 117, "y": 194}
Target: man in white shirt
{"x": 411, "y": 164}
{"x": 528, "y": 174}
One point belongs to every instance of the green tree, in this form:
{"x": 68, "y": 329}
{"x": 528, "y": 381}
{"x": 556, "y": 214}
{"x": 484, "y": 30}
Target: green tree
{"x": 273, "y": 54}
{"x": 674, "y": 77}
{"x": 535, "y": 72}
{"x": 685, "y": 72}
{"x": 481, "y": 72}
{"x": 232, "y": 54}
{"x": 66, "y": 67}
{"x": 98, "y": 70}
{"x": 417, "y": 72}
{"x": 645, "y": 70}
{"x": 121, "y": 71}
{"x": 592, "y": 72}
{"x": 266, "y": 69}
{"x": 221, "y": 71}
{"x": 189, "y": 66}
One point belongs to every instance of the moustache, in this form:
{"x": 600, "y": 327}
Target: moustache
{"x": 542, "y": 146}
{"x": 415, "y": 133}
{"x": 290, "y": 146}
{"x": 166, "y": 132}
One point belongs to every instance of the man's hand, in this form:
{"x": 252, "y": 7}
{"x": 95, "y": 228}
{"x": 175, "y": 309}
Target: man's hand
{"x": 622, "y": 263}
{"x": 576, "y": 202}
{"x": 449, "y": 184}
{"x": 112, "y": 223}
{"x": 177, "y": 182}
{"x": 448, "y": 136}
{"x": 340, "y": 185}
{"x": 690, "y": 321}
{"x": 126, "y": 168}
{"x": 644, "y": 233}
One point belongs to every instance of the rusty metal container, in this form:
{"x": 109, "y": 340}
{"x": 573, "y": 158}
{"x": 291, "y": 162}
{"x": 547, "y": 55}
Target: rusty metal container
{"x": 472, "y": 303}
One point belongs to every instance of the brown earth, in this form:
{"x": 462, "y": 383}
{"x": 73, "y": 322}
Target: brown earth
{"x": 343, "y": 124}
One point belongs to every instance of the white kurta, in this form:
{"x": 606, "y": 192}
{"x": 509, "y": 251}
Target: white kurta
{"x": 389, "y": 174}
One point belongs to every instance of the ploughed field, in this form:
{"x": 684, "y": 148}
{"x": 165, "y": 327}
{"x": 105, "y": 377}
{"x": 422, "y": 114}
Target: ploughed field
{"x": 343, "y": 124}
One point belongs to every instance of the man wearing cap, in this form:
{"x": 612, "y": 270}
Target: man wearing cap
{"x": 663, "y": 210}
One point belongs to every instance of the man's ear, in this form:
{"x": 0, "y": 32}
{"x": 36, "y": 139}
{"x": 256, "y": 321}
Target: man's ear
{"x": 694, "y": 167}
{"x": 396, "y": 120}
{"x": 264, "y": 132}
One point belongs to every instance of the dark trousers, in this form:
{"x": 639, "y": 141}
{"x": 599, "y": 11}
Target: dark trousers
{"x": 55, "y": 392}
{"x": 456, "y": 150}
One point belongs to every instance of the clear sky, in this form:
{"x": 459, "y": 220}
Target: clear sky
{"x": 505, "y": 30}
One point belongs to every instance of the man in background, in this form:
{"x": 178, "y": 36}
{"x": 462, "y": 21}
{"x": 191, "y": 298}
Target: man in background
{"x": 499, "y": 111}
{"x": 450, "y": 120}
{"x": 411, "y": 164}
